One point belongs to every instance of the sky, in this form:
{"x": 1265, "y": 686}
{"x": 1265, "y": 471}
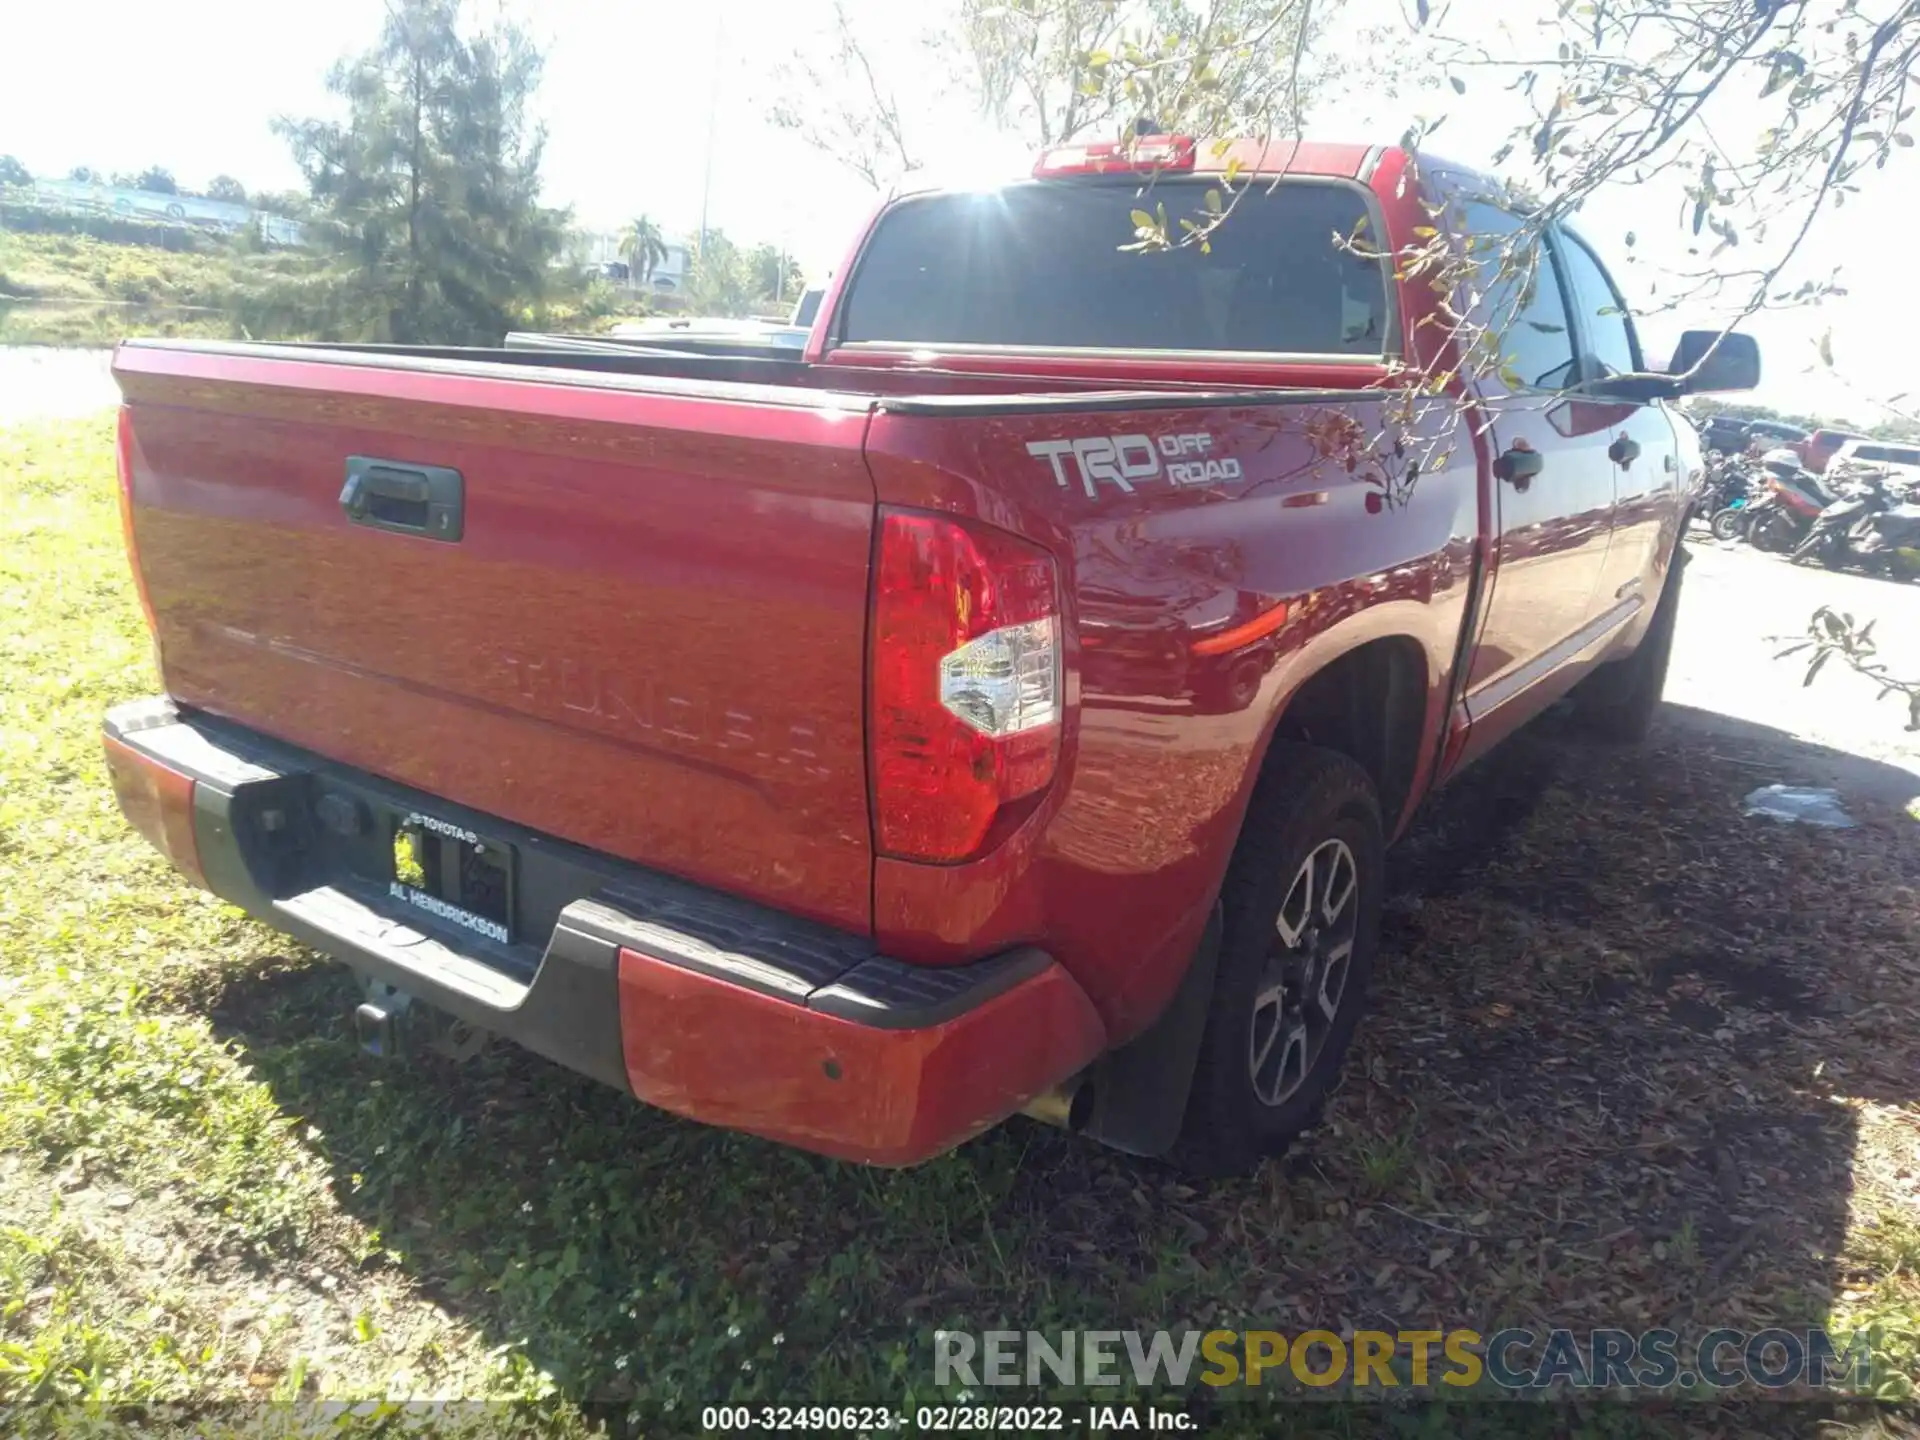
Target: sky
{"x": 662, "y": 109}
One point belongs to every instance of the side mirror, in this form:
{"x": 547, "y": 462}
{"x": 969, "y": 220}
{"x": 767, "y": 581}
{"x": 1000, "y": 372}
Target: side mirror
{"x": 1706, "y": 360}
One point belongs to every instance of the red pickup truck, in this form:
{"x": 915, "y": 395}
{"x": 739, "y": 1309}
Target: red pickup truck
{"x": 1002, "y": 706}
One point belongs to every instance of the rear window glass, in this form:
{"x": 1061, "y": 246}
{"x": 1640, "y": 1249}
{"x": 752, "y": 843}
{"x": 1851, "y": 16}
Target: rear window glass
{"x": 1887, "y": 454}
{"x": 1040, "y": 264}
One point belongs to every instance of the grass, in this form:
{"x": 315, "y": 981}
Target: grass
{"x": 1574, "y": 1106}
{"x": 74, "y": 290}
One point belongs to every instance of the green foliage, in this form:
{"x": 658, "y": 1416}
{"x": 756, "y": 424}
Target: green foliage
{"x": 155, "y": 178}
{"x": 24, "y": 215}
{"x": 72, "y": 289}
{"x": 645, "y": 246}
{"x": 426, "y": 197}
{"x": 84, "y": 175}
{"x": 12, "y": 172}
{"x": 775, "y": 276}
{"x": 226, "y": 188}
{"x": 726, "y": 280}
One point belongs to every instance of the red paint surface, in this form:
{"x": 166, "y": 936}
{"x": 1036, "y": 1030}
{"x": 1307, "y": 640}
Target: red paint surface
{"x": 728, "y": 1056}
{"x": 652, "y": 640}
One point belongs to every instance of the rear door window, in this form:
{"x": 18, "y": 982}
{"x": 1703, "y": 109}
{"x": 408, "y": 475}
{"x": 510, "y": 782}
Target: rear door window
{"x": 1613, "y": 349}
{"x": 1040, "y": 264}
{"x": 1519, "y": 300}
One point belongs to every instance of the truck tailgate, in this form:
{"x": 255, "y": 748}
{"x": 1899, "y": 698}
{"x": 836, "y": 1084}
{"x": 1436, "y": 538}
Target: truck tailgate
{"x": 647, "y": 638}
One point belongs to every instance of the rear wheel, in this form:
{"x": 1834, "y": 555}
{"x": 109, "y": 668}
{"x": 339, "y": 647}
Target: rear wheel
{"x": 1617, "y": 701}
{"x": 1301, "y": 920}
{"x": 1728, "y": 524}
{"x": 1773, "y": 532}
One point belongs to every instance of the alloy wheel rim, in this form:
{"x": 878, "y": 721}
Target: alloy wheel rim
{"x": 1305, "y": 977}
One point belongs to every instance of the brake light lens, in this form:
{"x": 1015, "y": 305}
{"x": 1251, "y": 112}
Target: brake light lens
{"x": 1109, "y": 157}
{"x": 966, "y": 687}
{"x": 123, "y": 457}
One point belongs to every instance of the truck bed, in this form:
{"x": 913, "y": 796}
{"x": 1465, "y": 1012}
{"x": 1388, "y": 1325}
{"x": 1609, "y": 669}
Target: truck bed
{"x": 650, "y": 637}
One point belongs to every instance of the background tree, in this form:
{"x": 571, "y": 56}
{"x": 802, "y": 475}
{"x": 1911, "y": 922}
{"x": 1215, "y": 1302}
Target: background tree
{"x": 1051, "y": 71}
{"x": 1762, "y": 113}
{"x": 155, "y": 178}
{"x": 645, "y": 247}
{"x": 775, "y": 278}
{"x": 719, "y": 279}
{"x": 833, "y": 96}
{"x": 12, "y": 172}
{"x": 84, "y": 175}
{"x": 427, "y": 195}
{"x": 227, "y": 190}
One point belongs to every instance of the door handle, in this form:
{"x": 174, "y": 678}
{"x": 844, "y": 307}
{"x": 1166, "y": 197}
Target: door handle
{"x": 1624, "y": 451}
{"x": 1519, "y": 464}
{"x": 424, "y": 500}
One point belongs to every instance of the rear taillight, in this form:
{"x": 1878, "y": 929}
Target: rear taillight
{"x": 123, "y": 454}
{"x": 966, "y": 688}
{"x": 158, "y": 802}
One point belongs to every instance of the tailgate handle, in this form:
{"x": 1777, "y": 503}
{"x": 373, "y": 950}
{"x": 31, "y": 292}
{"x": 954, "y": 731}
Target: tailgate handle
{"x": 424, "y": 500}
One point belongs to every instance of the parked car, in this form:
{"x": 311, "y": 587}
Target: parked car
{"x": 712, "y": 330}
{"x": 1819, "y": 448}
{"x": 1900, "y": 463}
{"x": 1775, "y": 434}
{"x": 1004, "y": 704}
{"x": 1725, "y": 433}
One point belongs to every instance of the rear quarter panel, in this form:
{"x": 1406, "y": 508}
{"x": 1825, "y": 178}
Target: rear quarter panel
{"x": 1358, "y": 512}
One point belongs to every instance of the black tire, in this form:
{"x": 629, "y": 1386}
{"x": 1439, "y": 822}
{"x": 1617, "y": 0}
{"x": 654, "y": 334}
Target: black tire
{"x": 1728, "y": 524}
{"x": 1773, "y": 533}
{"x": 1618, "y": 701}
{"x": 1309, "y": 805}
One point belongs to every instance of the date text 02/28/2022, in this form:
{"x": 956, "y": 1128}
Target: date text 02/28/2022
{"x": 942, "y": 1419}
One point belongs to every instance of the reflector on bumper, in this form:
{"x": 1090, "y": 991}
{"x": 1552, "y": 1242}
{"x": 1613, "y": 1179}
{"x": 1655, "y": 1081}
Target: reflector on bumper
{"x": 157, "y": 802}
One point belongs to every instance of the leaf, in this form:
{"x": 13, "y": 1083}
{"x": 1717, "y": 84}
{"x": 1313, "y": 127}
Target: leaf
{"x": 1814, "y": 668}
{"x": 1141, "y": 220}
{"x": 1826, "y": 349}
{"x": 1099, "y": 60}
{"x": 1212, "y": 199}
{"x": 1786, "y": 66}
{"x": 1904, "y": 141}
{"x": 1460, "y": 86}
{"x": 1423, "y": 10}
{"x": 1543, "y": 137}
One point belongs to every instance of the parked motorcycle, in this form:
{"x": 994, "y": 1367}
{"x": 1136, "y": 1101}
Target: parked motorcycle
{"x": 1726, "y": 492}
{"x": 1792, "y": 499}
{"x": 1869, "y": 526}
{"x": 1889, "y": 543}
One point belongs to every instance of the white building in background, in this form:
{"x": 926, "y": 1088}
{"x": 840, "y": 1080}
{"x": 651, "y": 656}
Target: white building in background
{"x": 604, "y": 250}
{"x": 86, "y": 197}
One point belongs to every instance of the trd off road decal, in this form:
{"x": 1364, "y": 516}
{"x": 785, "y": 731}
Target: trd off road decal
{"x": 1127, "y": 460}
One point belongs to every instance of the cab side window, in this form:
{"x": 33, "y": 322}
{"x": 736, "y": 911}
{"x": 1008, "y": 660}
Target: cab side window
{"x": 1521, "y": 299}
{"x": 1612, "y": 347}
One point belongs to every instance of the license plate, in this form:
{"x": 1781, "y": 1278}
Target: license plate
{"x": 455, "y": 875}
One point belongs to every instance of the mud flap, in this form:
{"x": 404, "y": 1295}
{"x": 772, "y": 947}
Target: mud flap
{"x": 1139, "y": 1092}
